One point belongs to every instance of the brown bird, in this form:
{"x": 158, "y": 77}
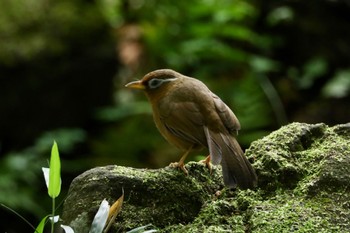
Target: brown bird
{"x": 191, "y": 117}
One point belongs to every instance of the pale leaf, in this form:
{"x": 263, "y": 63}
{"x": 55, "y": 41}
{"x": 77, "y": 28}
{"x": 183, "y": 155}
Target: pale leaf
{"x": 100, "y": 218}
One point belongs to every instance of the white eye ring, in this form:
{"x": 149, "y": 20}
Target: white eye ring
{"x": 156, "y": 82}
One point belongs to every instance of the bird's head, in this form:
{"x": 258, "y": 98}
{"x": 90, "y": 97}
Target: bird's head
{"x": 157, "y": 82}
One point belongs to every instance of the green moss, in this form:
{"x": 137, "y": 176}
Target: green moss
{"x": 289, "y": 213}
{"x": 304, "y": 186}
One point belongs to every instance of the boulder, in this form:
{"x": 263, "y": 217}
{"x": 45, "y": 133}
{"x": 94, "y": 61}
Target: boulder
{"x": 304, "y": 184}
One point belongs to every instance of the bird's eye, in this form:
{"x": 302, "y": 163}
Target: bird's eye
{"x": 154, "y": 83}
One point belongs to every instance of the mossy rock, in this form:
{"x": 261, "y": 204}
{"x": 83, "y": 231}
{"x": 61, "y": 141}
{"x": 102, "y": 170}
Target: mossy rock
{"x": 304, "y": 182}
{"x": 148, "y": 194}
{"x": 312, "y": 157}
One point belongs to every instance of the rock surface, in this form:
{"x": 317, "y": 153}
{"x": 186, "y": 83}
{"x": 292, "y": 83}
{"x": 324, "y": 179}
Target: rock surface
{"x": 304, "y": 184}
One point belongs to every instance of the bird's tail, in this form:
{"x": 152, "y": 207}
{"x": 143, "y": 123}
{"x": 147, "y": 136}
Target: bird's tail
{"x": 236, "y": 169}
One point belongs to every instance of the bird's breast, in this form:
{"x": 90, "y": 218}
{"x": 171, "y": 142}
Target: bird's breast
{"x": 176, "y": 126}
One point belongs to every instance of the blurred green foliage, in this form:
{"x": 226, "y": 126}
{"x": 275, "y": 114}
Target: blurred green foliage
{"x": 32, "y": 27}
{"x": 339, "y": 86}
{"x": 52, "y": 55}
{"x": 273, "y": 62}
{"x": 20, "y": 172}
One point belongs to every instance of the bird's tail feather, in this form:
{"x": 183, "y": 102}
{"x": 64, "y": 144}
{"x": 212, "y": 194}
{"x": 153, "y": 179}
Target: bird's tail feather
{"x": 236, "y": 169}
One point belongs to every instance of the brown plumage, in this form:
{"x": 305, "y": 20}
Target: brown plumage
{"x": 190, "y": 117}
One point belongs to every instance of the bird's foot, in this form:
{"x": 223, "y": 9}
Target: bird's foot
{"x": 179, "y": 165}
{"x": 207, "y": 163}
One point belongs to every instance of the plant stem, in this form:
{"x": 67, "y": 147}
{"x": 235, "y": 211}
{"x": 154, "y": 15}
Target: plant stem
{"x": 13, "y": 211}
{"x": 53, "y": 215}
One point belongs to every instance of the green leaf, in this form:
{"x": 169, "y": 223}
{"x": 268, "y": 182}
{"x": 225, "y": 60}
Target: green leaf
{"x": 55, "y": 172}
{"x": 40, "y": 227}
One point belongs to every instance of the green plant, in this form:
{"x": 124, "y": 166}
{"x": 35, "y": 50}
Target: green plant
{"x": 53, "y": 182}
{"x": 104, "y": 217}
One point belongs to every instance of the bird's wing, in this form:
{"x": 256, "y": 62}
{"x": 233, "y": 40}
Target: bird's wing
{"x": 184, "y": 120}
{"x": 226, "y": 115}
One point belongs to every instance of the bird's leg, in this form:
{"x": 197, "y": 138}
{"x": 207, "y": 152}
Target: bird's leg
{"x": 181, "y": 163}
{"x": 207, "y": 163}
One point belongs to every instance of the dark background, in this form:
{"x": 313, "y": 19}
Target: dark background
{"x": 63, "y": 65}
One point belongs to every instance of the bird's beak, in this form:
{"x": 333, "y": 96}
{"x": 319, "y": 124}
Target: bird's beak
{"x": 136, "y": 85}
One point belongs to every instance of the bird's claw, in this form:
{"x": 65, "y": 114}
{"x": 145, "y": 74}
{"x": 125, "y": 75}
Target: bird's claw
{"x": 207, "y": 164}
{"x": 179, "y": 165}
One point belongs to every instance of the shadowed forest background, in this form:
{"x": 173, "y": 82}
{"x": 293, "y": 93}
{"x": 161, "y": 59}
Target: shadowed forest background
{"x": 63, "y": 66}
